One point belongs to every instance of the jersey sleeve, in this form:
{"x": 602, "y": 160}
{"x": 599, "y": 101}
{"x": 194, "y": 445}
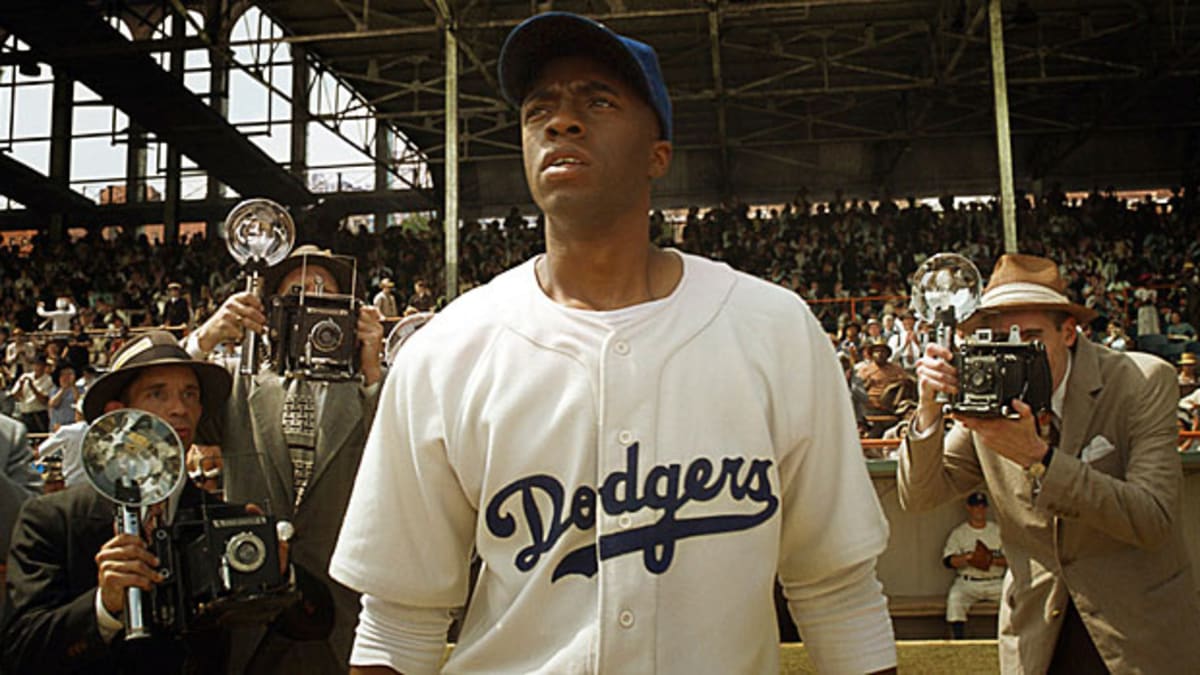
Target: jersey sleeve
{"x": 408, "y": 530}
{"x": 832, "y": 519}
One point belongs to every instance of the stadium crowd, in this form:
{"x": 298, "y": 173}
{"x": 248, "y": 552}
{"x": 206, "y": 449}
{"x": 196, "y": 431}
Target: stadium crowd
{"x": 1133, "y": 261}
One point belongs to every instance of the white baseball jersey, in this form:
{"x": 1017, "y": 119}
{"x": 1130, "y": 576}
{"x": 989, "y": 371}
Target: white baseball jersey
{"x": 962, "y": 540}
{"x": 632, "y": 488}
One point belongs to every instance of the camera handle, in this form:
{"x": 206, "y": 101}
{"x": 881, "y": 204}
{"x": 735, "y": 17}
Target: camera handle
{"x": 251, "y": 360}
{"x": 135, "y": 617}
{"x": 947, "y": 323}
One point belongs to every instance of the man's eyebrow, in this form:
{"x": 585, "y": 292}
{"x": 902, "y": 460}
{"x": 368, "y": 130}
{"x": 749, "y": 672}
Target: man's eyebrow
{"x": 588, "y": 87}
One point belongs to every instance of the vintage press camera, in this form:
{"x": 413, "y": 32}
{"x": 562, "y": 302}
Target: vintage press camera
{"x": 221, "y": 566}
{"x": 315, "y": 334}
{"x": 992, "y": 373}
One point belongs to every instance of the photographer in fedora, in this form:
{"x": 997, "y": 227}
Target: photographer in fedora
{"x": 67, "y": 571}
{"x": 1099, "y": 577}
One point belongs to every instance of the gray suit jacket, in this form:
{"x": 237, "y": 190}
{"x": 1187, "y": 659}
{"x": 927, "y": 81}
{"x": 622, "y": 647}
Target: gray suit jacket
{"x": 19, "y": 480}
{"x": 258, "y": 469}
{"x": 1105, "y": 528}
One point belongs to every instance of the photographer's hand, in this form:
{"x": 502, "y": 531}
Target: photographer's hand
{"x": 934, "y": 375}
{"x": 242, "y": 310}
{"x": 1016, "y": 440}
{"x": 370, "y": 338}
{"x": 124, "y": 561}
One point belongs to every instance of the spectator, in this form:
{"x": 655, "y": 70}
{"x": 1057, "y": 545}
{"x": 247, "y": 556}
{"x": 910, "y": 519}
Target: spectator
{"x": 421, "y": 300}
{"x": 973, "y": 550}
{"x": 1116, "y": 339}
{"x": 907, "y": 344}
{"x": 1178, "y": 329}
{"x": 21, "y": 353}
{"x": 66, "y": 443}
{"x": 177, "y": 310}
{"x": 32, "y": 393}
{"x": 59, "y": 317}
{"x": 385, "y": 300}
{"x": 851, "y": 342}
{"x": 62, "y": 401}
{"x": 1187, "y": 369}
{"x": 79, "y": 348}
{"x": 881, "y": 376}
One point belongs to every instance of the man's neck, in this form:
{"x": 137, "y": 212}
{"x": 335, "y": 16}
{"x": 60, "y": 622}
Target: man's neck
{"x": 593, "y": 270}
{"x": 978, "y": 524}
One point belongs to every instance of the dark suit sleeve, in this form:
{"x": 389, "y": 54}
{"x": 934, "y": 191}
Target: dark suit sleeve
{"x": 50, "y": 623}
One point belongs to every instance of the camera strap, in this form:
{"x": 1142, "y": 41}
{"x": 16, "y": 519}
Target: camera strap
{"x": 300, "y": 432}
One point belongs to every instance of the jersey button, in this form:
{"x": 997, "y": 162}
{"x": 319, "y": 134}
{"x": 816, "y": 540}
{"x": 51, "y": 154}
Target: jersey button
{"x": 625, "y": 619}
{"x": 624, "y": 521}
{"x": 625, "y": 437}
{"x": 621, "y": 347}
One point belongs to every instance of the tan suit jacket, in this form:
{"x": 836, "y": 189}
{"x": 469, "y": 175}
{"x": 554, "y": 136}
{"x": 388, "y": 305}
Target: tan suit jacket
{"x": 258, "y": 469}
{"x": 1104, "y": 530}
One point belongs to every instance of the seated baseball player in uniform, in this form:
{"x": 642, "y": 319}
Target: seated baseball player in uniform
{"x": 973, "y": 550}
{"x": 635, "y": 441}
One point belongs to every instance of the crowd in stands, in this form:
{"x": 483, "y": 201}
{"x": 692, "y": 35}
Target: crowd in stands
{"x": 1133, "y": 261}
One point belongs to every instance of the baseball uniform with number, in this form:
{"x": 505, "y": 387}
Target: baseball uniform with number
{"x": 972, "y": 585}
{"x": 632, "y": 481}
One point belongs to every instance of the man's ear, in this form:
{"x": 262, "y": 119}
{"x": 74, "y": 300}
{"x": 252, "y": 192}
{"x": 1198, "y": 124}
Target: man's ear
{"x": 660, "y": 158}
{"x": 113, "y": 405}
{"x": 1070, "y": 331}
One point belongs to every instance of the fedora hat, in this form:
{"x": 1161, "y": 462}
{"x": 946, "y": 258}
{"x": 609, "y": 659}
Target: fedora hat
{"x": 1026, "y": 282}
{"x": 342, "y": 271}
{"x": 1187, "y": 359}
{"x": 876, "y": 344}
{"x": 154, "y": 348}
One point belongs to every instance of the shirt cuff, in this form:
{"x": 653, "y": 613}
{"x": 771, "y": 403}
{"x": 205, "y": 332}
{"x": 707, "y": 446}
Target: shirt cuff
{"x": 922, "y": 434}
{"x": 108, "y": 624}
{"x": 191, "y": 345}
{"x": 844, "y": 620}
{"x": 409, "y": 640}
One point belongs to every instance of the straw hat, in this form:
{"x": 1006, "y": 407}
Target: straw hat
{"x": 1026, "y": 282}
{"x": 1187, "y": 359}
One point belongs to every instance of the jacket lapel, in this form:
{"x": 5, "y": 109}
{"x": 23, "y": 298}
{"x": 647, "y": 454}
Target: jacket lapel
{"x": 341, "y": 414}
{"x": 1082, "y": 389}
{"x": 266, "y": 405}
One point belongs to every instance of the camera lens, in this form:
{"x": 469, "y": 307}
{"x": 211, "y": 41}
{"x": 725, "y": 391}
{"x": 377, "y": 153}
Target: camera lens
{"x": 326, "y": 336}
{"x": 245, "y": 552}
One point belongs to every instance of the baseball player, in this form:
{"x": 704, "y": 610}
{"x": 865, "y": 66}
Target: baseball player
{"x": 973, "y": 550}
{"x": 634, "y": 441}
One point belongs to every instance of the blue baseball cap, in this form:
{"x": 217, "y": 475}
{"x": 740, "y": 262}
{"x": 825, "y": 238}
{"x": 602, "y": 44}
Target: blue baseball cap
{"x": 538, "y": 39}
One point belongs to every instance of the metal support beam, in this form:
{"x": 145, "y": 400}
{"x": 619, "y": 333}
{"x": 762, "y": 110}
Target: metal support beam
{"x": 300, "y": 112}
{"x": 714, "y": 46}
{"x": 174, "y": 159}
{"x": 1003, "y": 140}
{"x": 218, "y": 97}
{"x": 60, "y": 146}
{"x": 383, "y": 157}
{"x": 450, "y": 212}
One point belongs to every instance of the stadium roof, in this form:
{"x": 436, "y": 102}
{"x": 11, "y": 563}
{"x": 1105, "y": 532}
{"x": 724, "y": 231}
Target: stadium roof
{"x": 768, "y": 95}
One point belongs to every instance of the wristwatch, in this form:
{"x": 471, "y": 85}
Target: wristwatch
{"x": 1038, "y": 468}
